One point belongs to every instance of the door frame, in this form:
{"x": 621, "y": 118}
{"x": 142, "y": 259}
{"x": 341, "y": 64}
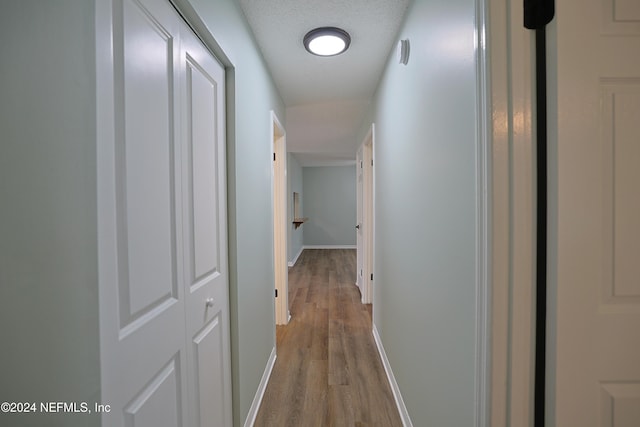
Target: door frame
{"x": 484, "y": 225}
{"x": 512, "y": 215}
{"x": 368, "y": 232}
{"x": 360, "y": 275}
{"x": 279, "y": 205}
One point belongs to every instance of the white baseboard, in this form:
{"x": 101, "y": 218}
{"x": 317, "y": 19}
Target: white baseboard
{"x": 257, "y": 400}
{"x": 329, "y": 246}
{"x": 402, "y": 409}
{"x": 292, "y": 263}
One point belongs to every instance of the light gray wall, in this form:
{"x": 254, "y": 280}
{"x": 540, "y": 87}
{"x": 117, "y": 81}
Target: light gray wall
{"x": 294, "y": 178}
{"x": 49, "y": 339}
{"x": 249, "y": 174}
{"x": 425, "y": 213}
{"x": 330, "y": 204}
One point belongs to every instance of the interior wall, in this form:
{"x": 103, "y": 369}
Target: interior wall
{"x": 294, "y": 180}
{"x": 48, "y": 218}
{"x": 249, "y": 158}
{"x": 425, "y": 213}
{"x": 330, "y": 204}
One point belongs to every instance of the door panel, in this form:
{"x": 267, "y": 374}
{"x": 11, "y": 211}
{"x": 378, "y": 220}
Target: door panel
{"x": 144, "y": 161}
{"x": 620, "y": 404}
{"x": 209, "y": 369}
{"x": 205, "y": 231}
{"x": 142, "y": 350}
{"x": 162, "y": 202}
{"x": 201, "y": 122}
{"x": 621, "y": 157}
{"x": 159, "y": 403}
{"x": 598, "y": 214}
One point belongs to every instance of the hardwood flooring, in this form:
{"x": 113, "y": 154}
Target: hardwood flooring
{"x": 328, "y": 371}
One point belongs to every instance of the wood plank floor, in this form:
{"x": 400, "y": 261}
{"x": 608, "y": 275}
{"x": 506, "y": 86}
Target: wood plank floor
{"x": 328, "y": 371}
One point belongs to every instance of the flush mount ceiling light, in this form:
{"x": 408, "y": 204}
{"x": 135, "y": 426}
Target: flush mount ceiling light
{"x": 327, "y": 41}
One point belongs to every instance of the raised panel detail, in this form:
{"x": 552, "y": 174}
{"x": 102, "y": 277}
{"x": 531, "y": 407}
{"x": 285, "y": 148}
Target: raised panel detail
{"x": 621, "y": 17}
{"x": 621, "y": 155}
{"x": 161, "y": 197}
{"x": 626, "y": 10}
{"x": 209, "y": 373}
{"x": 202, "y": 122}
{"x": 620, "y": 404}
{"x": 159, "y": 402}
{"x": 144, "y": 168}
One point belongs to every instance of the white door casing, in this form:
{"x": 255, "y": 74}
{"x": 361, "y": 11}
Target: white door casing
{"x": 365, "y": 232}
{"x": 359, "y": 225}
{"x": 367, "y": 216}
{"x": 279, "y": 200}
{"x": 162, "y": 220}
{"x": 596, "y": 210}
{"x": 512, "y": 216}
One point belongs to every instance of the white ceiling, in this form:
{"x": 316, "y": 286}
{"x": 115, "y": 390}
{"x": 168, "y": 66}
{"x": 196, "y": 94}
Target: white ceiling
{"x": 326, "y": 98}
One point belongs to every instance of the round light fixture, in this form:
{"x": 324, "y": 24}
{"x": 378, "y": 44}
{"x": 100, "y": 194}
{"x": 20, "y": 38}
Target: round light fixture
{"x": 327, "y": 41}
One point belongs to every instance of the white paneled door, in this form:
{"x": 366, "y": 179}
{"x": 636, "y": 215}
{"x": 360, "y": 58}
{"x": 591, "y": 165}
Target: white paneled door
{"x": 165, "y": 355}
{"x": 597, "y": 365}
{"x": 364, "y": 227}
{"x": 360, "y": 282}
{"x": 205, "y": 233}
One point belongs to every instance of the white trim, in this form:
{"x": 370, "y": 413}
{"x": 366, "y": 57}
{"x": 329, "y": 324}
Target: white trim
{"x": 482, "y": 391}
{"x": 372, "y": 257}
{"x": 511, "y": 213}
{"x": 222, "y": 53}
{"x": 262, "y": 387}
{"x": 368, "y": 208}
{"x": 295, "y": 260}
{"x": 360, "y": 221}
{"x": 279, "y": 208}
{"x": 365, "y": 195}
{"x": 329, "y": 247}
{"x": 292, "y": 263}
{"x": 397, "y": 396}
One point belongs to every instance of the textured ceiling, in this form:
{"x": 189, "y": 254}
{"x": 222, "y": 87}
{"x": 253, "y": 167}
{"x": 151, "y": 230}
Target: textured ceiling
{"x": 326, "y": 97}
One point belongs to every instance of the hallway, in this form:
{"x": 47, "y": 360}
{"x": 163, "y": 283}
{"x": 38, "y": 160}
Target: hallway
{"x": 110, "y": 218}
{"x": 328, "y": 371}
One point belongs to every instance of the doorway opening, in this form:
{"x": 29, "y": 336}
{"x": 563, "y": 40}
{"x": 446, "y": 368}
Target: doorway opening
{"x": 279, "y": 190}
{"x": 365, "y": 214}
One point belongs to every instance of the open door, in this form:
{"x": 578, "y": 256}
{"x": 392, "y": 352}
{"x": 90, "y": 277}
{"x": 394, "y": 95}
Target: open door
{"x": 364, "y": 227}
{"x": 280, "y": 220}
{"x": 359, "y": 224}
